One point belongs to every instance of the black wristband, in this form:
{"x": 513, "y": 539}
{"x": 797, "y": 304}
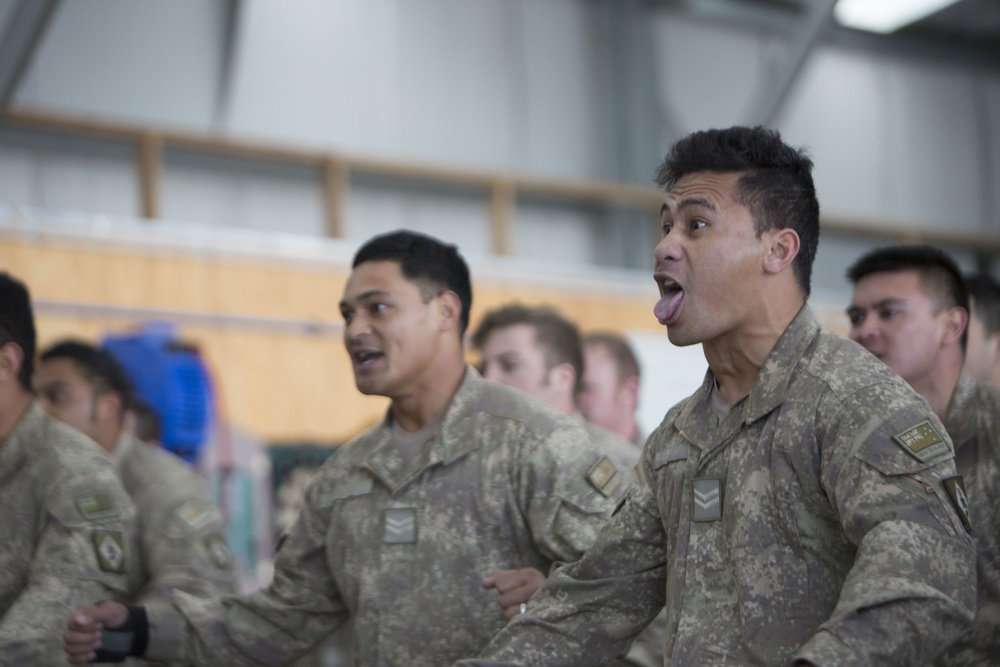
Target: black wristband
{"x": 129, "y": 638}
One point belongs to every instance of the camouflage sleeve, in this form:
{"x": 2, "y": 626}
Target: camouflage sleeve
{"x": 185, "y": 549}
{"x": 911, "y": 589}
{"x": 586, "y": 613}
{"x": 81, "y": 556}
{"x": 272, "y": 626}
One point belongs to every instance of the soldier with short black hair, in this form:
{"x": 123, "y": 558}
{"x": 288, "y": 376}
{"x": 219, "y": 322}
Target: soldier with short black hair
{"x": 463, "y": 477}
{"x": 181, "y": 534}
{"x": 66, "y": 524}
{"x": 910, "y": 308}
{"x": 794, "y": 510}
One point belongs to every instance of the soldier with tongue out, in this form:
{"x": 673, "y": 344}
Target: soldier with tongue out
{"x": 792, "y": 511}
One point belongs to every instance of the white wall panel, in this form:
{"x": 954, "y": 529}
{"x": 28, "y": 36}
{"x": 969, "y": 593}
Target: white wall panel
{"x": 507, "y": 84}
{"x": 552, "y": 234}
{"x": 934, "y": 147}
{"x": 837, "y": 110}
{"x": 708, "y": 72}
{"x": 67, "y": 180}
{"x": 318, "y": 73}
{"x": 155, "y": 62}
{"x": 18, "y": 178}
{"x": 563, "y": 108}
{"x": 457, "y": 219}
{"x": 419, "y": 80}
{"x": 991, "y": 180}
{"x": 287, "y": 201}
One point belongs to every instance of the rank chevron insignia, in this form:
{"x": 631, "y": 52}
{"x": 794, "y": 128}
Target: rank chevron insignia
{"x": 707, "y": 499}
{"x": 706, "y": 494}
{"x": 400, "y": 525}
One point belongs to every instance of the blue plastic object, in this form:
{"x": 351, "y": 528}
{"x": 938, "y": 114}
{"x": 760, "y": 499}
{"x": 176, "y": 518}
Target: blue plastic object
{"x": 172, "y": 379}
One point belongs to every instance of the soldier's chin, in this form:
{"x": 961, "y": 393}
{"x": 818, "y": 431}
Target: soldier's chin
{"x": 677, "y": 336}
{"x": 366, "y": 387}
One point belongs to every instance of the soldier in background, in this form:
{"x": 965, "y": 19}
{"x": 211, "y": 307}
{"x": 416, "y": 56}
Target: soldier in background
{"x": 463, "y": 477}
{"x": 609, "y": 396}
{"x": 540, "y": 352}
{"x": 66, "y": 524}
{"x": 982, "y": 354}
{"x": 793, "y": 510}
{"x": 181, "y": 533}
{"x": 910, "y": 309}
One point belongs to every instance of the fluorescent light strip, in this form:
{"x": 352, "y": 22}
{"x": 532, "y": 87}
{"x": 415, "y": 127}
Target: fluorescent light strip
{"x": 885, "y": 16}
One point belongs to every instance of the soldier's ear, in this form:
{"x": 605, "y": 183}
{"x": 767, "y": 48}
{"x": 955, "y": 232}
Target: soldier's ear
{"x": 450, "y": 308}
{"x": 563, "y": 376}
{"x": 11, "y": 358}
{"x": 955, "y": 321}
{"x": 782, "y": 248}
{"x": 109, "y": 406}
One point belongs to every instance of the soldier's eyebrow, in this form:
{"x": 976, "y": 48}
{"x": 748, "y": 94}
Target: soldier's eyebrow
{"x": 888, "y": 301}
{"x": 688, "y": 202}
{"x": 363, "y": 296}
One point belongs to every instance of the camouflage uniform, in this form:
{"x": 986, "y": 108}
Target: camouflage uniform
{"x": 803, "y": 525}
{"x": 402, "y": 548}
{"x": 180, "y": 531}
{"x": 65, "y": 529}
{"x": 974, "y": 426}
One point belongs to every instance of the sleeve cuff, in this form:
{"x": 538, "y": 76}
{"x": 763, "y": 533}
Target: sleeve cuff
{"x": 166, "y": 633}
{"x": 824, "y": 648}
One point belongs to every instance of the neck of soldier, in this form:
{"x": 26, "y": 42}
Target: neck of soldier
{"x": 937, "y": 385}
{"x": 632, "y": 434}
{"x": 14, "y": 402}
{"x": 736, "y": 357}
{"x": 430, "y": 397}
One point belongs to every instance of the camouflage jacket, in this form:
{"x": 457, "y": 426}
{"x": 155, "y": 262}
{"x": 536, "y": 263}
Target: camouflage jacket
{"x": 66, "y": 527}
{"x": 402, "y": 548}
{"x": 974, "y": 426}
{"x": 811, "y": 523}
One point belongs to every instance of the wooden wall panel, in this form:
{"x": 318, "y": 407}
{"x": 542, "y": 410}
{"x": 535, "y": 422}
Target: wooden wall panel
{"x": 285, "y": 386}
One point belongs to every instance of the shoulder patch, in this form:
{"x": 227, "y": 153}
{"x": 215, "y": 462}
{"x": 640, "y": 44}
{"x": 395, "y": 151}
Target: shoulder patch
{"x": 955, "y": 486}
{"x": 922, "y": 441}
{"x": 195, "y": 513}
{"x": 604, "y": 477}
{"x": 109, "y": 547}
{"x": 98, "y": 506}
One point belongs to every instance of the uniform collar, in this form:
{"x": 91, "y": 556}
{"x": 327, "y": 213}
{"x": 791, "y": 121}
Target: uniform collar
{"x": 958, "y": 424}
{"x": 698, "y": 424}
{"x": 14, "y": 449}
{"x": 454, "y": 439}
{"x": 123, "y": 447}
